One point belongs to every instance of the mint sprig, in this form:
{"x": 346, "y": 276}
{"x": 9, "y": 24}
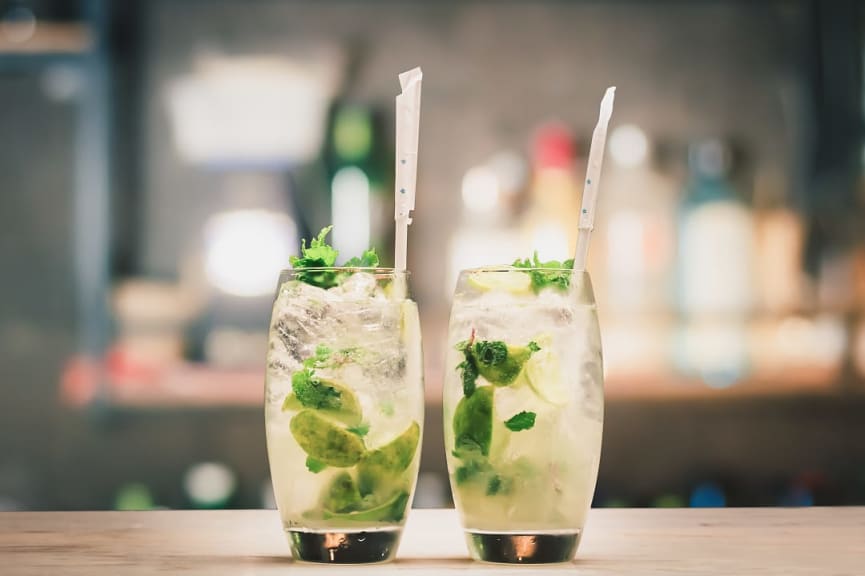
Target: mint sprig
{"x": 313, "y": 393}
{"x": 320, "y": 254}
{"x": 560, "y": 278}
{"x": 468, "y": 368}
{"x": 368, "y": 260}
{"x": 309, "y": 390}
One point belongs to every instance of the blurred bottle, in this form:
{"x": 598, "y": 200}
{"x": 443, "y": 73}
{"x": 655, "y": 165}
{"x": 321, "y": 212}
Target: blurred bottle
{"x": 708, "y": 495}
{"x": 632, "y": 256}
{"x": 486, "y": 234}
{"x": 716, "y": 241}
{"x": 360, "y": 208}
{"x": 635, "y": 226}
{"x": 668, "y": 501}
{"x": 134, "y": 496}
{"x": 551, "y": 220}
{"x": 779, "y": 237}
{"x": 715, "y": 269}
{"x": 797, "y": 494}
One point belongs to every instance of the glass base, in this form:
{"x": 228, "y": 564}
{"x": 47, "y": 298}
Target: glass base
{"x": 344, "y": 547}
{"x": 523, "y": 548}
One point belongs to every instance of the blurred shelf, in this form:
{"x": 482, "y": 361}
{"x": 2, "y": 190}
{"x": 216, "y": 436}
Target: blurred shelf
{"x": 187, "y": 385}
{"x": 40, "y": 38}
{"x": 191, "y": 385}
{"x": 790, "y": 382}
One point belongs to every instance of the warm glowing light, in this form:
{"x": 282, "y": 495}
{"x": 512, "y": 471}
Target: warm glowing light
{"x": 252, "y": 109}
{"x": 629, "y": 145}
{"x": 625, "y": 244}
{"x": 481, "y": 190}
{"x": 209, "y": 483}
{"x": 550, "y": 239}
{"x": 350, "y": 212}
{"x": 245, "y": 250}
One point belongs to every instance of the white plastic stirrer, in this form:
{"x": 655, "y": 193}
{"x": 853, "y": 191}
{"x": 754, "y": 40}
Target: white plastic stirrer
{"x": 593, "y": 179}
{"x": 407, "y": 128}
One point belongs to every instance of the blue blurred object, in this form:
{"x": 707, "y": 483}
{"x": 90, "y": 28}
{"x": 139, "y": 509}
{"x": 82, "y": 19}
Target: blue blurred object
{"x": 797, "y": 495}
{"x": 708, "y": 495}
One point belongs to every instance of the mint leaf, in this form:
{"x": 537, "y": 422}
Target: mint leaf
{"x": 319, "y": 359}
{"x": 468, "y": 368}
{"x": 469, "y": 374}
{"x": 361, "y": 429}
{"x": 312, "y": 393}
{"x": 533, "y": 346}
{"x": 522, "y": 421}
{"x": 368, "y": 260}
{"x": 560, "y": 279}
{"x": 314, "y": 465}
{"x": 471, "y": 469}
{"x": 319, "y": 254}
{"x": 491, "y": 353}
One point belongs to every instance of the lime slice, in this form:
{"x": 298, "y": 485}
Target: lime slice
{"x": 380, "y": 466}
{"x": 326, "y": 441}
{"x": 501, "y": 366}
{"x": 544, "y": 374}
{"x": 473, "y": 421}
{"x": 392, "y": 510}
{"x": 342, "y": 495}
{"x": 513, "y": 282}
{"x": 349, "y": 412}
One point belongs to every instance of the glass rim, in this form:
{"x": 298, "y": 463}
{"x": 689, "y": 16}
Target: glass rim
{"x": 506, "y": 268}
{"x": 370, "y": 269}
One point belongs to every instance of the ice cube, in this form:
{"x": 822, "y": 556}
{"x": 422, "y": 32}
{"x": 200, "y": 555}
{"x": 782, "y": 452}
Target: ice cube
{"x": 358, "y": 286}
{"x": 299, "y": 314}
{"x": 591, "y": 383}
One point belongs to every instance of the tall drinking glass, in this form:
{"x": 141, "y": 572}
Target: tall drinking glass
{"x": 523, "y": 411}
{"x": 344, "y": 411}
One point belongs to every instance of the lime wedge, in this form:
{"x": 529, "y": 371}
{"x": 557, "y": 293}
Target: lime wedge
{"x": 544, "y": 374}
{"x": 513, "y": 282}
{"x": 392, "y": 510}
{"x": 342, "y": 495}
{"x": 326, "y": 441}
{"x": 349, "y": 413}
{"x": 387, "y": 463}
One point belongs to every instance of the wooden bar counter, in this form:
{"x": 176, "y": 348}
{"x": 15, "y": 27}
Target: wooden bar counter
{"x": 758, "y": 541}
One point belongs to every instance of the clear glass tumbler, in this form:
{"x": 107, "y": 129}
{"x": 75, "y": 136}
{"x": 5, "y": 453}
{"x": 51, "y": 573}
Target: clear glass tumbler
{"x": 523, "y": 411}
{"x": 344, "y": 411}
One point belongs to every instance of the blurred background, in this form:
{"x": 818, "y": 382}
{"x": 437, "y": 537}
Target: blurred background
{"x": 160, "y": 160}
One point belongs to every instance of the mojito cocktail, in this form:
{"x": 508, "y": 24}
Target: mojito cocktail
{"x": 523, "y": 410}
{"x": 344, "y": 410}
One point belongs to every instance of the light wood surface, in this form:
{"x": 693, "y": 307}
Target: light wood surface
{"x": 824, "y": 541}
